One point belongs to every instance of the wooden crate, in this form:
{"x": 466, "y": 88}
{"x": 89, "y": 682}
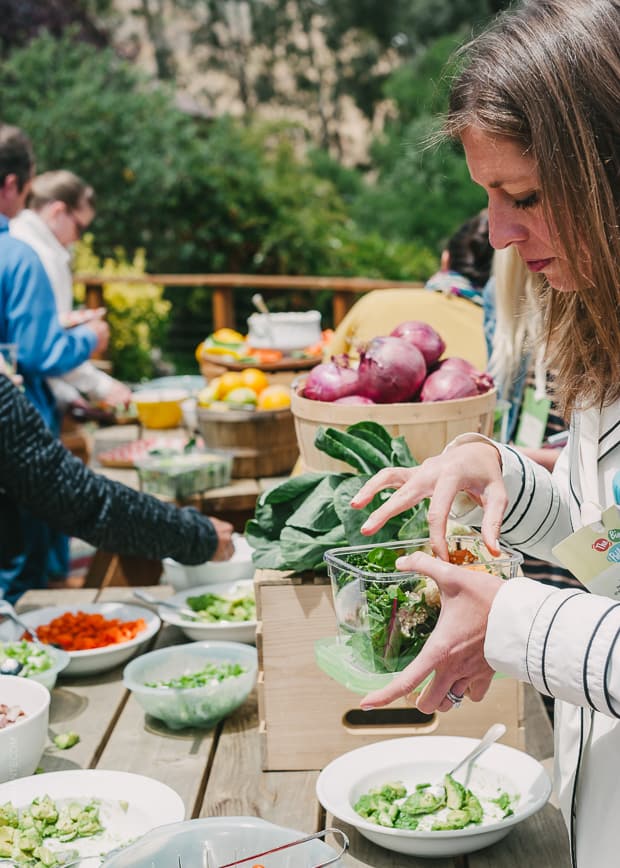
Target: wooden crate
{"x": 307, "y": 719}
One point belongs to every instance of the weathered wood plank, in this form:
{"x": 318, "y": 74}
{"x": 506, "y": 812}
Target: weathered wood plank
{"x": 237, "y": 787}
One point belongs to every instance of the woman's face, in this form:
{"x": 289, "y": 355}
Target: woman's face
{"x": 510, "y": 178}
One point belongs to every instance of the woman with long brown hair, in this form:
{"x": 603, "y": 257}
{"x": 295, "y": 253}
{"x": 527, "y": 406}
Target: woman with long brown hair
{"x": 537, "y": 109}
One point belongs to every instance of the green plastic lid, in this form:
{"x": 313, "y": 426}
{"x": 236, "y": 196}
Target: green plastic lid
{"x": 336, "y": 660}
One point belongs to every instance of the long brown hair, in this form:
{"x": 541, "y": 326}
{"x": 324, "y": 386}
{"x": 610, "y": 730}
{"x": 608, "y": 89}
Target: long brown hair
{"x": 547, "y": 74}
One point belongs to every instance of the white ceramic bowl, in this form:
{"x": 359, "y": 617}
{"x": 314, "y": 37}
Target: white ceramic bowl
{"x": 97, "y": 659}
{"x": 218, "y": 841}
{"x": 192, "y": 706}
{"x": 47, "y": 677}
{"x": 22, "y": 742}
{"x": 240, "y": 567}
{"x": 130, "y": 805}
{"x": 227, "y": 631}
{"x": 426, "y": 759}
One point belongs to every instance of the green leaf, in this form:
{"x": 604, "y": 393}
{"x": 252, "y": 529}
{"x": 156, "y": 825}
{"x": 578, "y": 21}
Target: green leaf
{"x": 302, "y": 551}
{"x": 416, "y": 527}
{"x": 343, "y": 447}
{"x": 292, "y": 488}
{"x": 400, "y": 455}
{"x": 317, "y": 512}
{"x": 373, "y": 433}
{"x": 353, "y": 519}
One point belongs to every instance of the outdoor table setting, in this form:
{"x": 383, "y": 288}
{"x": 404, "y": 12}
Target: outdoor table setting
{"x": 217, "y": 772}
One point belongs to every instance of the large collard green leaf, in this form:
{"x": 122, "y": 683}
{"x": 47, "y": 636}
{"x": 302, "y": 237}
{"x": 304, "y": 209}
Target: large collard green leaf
{"x": 353, "y": 519}
{"x": 400, "y": 455}
{"x": 292, "y": 488}
{"x": 374, "y": 434}
{"x": 302, "y": 551}
{"x": 275, "y": 506}
{"x": 266, "y": 554}
{"x": 342, "y": 446}
{"x": 317, "y": 513}
{"x": 416, "y": 527}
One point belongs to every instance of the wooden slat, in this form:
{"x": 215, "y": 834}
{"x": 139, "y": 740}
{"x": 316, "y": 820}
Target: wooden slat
{"x": 541, "y": 840}
{"x": 237, "y": 787}
{"x": 364, "y": 854}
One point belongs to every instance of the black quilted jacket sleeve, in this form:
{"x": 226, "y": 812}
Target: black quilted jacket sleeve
{"x": 39, "y": 474}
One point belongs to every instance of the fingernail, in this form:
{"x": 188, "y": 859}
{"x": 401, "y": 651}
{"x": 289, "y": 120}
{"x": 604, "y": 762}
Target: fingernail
{"x": 364, "y": 527}
{"x": 365, "y": 707}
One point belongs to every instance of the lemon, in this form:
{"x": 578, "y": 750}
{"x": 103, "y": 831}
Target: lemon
{"x": 227, "y": 336}
{"x": 241, "y": 396}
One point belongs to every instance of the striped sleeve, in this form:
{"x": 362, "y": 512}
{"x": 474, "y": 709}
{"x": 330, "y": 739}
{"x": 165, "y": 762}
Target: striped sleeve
{"x": 537, "y": 516}
{"x": 564, "y": 642}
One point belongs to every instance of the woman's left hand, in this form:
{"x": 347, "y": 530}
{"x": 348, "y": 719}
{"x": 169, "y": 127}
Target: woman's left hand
{"x": 455, "y": 649}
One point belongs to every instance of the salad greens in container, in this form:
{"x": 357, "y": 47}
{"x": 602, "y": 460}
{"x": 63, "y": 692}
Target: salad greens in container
{"x": 386, "y": 615}
{"x": 178, "y": 475}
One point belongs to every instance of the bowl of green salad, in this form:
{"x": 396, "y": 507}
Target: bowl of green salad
{"x": 194, "y": 685}
{"x": 397, "y": 793}
{"x": 224, "y": 612}
{"x": 34, "y": 661}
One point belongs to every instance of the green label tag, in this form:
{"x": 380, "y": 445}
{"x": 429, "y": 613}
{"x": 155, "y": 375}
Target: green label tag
{"x": 533, "y": 420}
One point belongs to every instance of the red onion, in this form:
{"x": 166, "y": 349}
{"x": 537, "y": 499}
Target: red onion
{"x": 330, "y": 381}
{"x": 353, "y": 399}
{"x": 454, "y": 363}
{"x": 424, "y": 337}
{"x": 446, "y": 384}
{"x": 391, "y": 370}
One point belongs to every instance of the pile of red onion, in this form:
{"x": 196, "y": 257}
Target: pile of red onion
{"x": 405, "y": 365}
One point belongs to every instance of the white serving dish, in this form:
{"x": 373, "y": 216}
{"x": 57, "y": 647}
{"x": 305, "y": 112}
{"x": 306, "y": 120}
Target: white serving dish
{"x": 226, "y": 631}
{"x": 149, "y": 804}
{"x": 284, "y": 331}
{"x": 191, "y": 706}
{"x": 218, "y": 841}
{"x": 239, "y": 567}
{"x": 426, "y": 759}
{"x": 22, "y": 742}
{"x": 47, "y": 677}
{"x": 97, "y": 659}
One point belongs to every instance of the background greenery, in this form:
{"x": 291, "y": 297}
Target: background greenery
{"x": 219, "y": 194}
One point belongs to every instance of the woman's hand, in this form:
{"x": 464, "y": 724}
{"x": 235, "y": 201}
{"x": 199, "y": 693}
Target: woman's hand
{"x": 474, "y": 468}
{"x": 455, "y": 649}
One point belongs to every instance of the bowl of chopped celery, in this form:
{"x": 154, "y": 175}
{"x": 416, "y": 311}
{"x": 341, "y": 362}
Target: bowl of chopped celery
{"x": 36, "y": 662}
{"x": 224, "y": 612}
{"x": 195, "y": 684}
{"x": 385, "y": 615}
{"x": 397, "y": 793}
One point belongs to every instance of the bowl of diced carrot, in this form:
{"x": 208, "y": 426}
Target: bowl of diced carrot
{"x": 96, "y": 636}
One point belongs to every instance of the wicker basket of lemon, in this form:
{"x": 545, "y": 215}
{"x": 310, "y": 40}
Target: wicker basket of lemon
{"x": 243, "y": 412}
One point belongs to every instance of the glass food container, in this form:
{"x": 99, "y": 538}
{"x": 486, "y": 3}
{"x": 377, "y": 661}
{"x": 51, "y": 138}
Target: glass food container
{"x": 178, "y": 475}
{"x": 385, "y": 615}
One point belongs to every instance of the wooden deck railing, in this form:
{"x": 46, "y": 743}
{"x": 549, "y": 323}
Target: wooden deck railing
{"x": 344, "y": 289}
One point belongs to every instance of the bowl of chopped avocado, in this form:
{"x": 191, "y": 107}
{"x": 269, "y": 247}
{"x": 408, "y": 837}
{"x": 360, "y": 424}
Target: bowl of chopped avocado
{"x": 196, "y": 684}
{"x": 397, "y": 793}
{"x": 224, "y": 612}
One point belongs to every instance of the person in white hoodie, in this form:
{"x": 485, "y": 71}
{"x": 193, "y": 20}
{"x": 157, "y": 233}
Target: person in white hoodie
{"x": 537, "y": 108}
{"x": 61, "y": 206}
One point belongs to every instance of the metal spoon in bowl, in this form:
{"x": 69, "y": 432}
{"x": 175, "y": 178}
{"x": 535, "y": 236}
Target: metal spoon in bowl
{"x": 8, "y": 611}
{"x": 149, "y": 598}
{"x": 494, "y": 732}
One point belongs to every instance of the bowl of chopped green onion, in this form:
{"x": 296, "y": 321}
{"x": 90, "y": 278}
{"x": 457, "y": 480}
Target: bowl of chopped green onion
{"x": 34, "y": 661}
{"x": 196, "y": 684}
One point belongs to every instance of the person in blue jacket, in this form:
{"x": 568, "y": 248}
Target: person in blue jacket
{"x": 28, "y": 318}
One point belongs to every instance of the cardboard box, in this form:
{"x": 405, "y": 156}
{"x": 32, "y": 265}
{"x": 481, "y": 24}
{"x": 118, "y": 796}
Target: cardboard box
{"x": 307, "y": 719}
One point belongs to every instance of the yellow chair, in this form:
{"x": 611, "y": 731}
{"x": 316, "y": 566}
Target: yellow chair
{"x": 458, "y": 321}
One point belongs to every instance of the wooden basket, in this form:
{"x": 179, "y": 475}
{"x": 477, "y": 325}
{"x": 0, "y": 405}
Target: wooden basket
{"x": 263, "y": 442}
{"x": 427, "y": 428}
{"x": 307, "y": 719}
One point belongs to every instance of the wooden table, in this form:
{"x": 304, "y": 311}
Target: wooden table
{"x": 218, "y": 772}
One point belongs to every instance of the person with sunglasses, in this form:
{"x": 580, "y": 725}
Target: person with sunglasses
{"x": 61, "y": 207}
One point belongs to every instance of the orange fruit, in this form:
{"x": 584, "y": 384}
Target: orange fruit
{"x": 229, "y": 381}
{"x": 274, "y": 398}
{"x": 199, "y": 350}
{"x": 255, "y": 379}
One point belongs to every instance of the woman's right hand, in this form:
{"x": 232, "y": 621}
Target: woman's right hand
{"x": 473, "y": 468}
{"x": 225, "y": 548}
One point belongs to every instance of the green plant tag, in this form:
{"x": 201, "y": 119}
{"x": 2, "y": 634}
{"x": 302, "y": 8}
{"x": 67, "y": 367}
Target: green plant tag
{"x": 533, "y": 420}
